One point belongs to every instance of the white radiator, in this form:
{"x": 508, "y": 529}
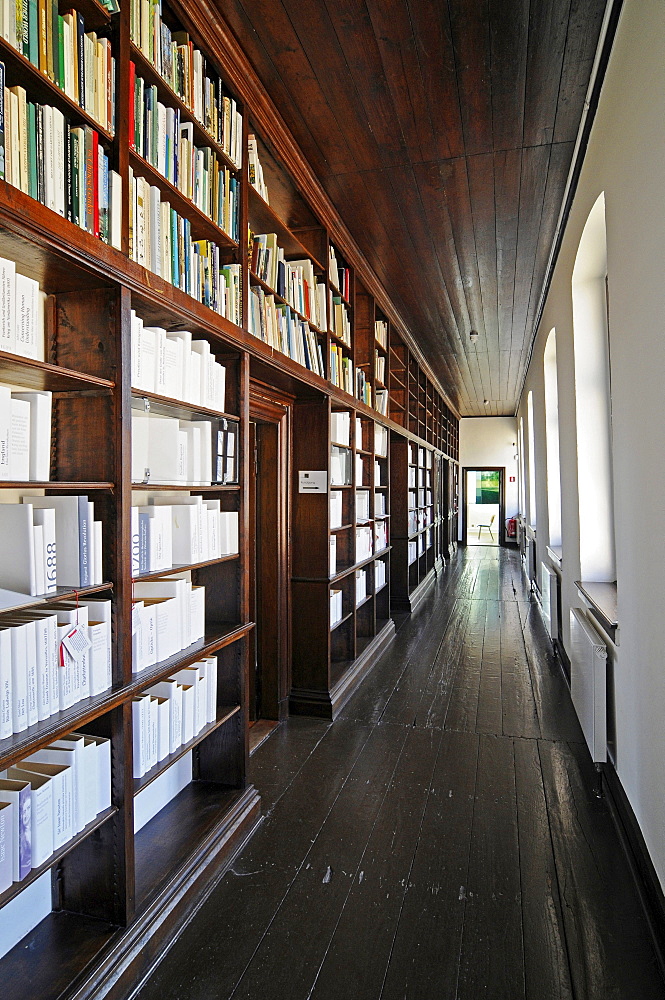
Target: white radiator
{"x": 549, "y": 599}
{"x": 588, "y": 663}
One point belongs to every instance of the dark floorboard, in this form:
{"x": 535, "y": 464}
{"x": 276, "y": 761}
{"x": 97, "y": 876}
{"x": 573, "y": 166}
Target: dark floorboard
{"x": 440, "y": 841}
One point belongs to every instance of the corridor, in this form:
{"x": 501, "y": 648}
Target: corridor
{"x": 441, "y": 840}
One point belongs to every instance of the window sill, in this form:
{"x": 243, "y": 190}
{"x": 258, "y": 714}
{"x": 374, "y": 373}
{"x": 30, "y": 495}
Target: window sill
{"x": 601, "y": 599}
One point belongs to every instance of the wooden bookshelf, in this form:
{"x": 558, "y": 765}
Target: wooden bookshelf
{"x": 119, "y": 896}
{"x": 332, "y": 653}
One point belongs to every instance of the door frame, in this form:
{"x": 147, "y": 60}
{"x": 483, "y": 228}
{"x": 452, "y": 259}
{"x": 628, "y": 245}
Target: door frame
{"x": 270, "y": 406}
{"x": 501, "y": 469}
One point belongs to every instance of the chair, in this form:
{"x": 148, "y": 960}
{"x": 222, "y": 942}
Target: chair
{"x": 488, "y": 526}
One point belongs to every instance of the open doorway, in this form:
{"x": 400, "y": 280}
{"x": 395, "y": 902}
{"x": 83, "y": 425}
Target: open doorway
{"x": 483, "y": 506}
{"x": 268, "y": 681}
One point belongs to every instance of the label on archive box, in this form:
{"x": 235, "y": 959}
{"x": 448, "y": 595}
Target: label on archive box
{"x": 77, "y": 642}
{"x": 312, "y": 482}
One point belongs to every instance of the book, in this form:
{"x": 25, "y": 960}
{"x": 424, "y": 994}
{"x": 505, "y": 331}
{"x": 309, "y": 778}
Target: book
{"x": 41, "y": 814}
{"x": 17, "y": 547}
{"x": 19, "y": 444}
{"x": 6, "y": 843}
{"x": 19, "y": 793}
{"x": 73, "y": 530}
{"x": 60, "y": 776}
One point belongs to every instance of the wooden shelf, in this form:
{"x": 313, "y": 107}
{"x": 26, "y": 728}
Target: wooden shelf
{"x": 54, "y": 485}
{"x": 166, "y": 844}
{"x": 179, "y": 487}
{"x": 264, "y": 219}
{"x": 230, "y": 557}
{"x": 203, "y": 227}
{"x": 214, "y": 640}
{"x": 61, "y": 852}
{"x": 167, "y": 95}
{"x": 19, "y": 70}
{"x": 179, "y": 407}
{"x": 41, "y": 376}
{"x": 338, "y": 340}
{"x": 255, "y": 280}
{"x": 343, "y": 619}
{"x": 58, "y": 950}
{"x": 224, "y": 713}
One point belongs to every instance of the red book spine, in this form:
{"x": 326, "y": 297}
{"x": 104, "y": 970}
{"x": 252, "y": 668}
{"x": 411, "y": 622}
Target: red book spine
{"x": 95, "y": 184}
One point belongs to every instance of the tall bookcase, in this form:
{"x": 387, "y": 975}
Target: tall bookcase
{"x": 104, "y": 904}
{"x": 342, "y": 602}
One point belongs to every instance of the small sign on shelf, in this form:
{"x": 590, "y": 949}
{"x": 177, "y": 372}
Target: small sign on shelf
{"x": 312, "y": 482}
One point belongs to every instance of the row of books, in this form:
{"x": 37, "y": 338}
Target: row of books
{"x": 171, "y": 363}
{"x": 175, "y": 452}
{"x": 157, "y": 134}
{"x": 420, "y": 456}
{"x": 22, "y": 306}
{"x": 168, "y": 615}
{"x": 180, "y": 530}
{"x": 292, "y": 280}
{"x": 25, "y": 435}
{"x": 61, "y": 165}
{"x": 341, "y": 369}
{"x": 255, "y": 169}
{"x": 278, "y": 325}
{"x": 360, "y": 579}
{"x": 173, "y": 712}
{"x": 185, "y": 70}
{"x": 340, "y": 433}
{"x": 363, "y": 387}
{"x": 340, "y": 323}
{"x": 380, "y": 367}
{"x": 77, "y": 61}
{"x": 340, "y": 277}
{"x": 418, "y": 546}
{"x": 419, "y": 519}
{"x": 50, "y": 659}
{"x": 49, "y": 542}
{"x": 49, "y": 797}
{"x": 161, "y": 240}
{"x": 364, "y": 542}
{"x": 381, "y": 334}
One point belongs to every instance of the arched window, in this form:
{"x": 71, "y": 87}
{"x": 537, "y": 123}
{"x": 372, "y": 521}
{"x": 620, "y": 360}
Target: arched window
{"x": 593, "y": 401}
{"x": 552, "y": 441}
{"x": 531, "y": 465}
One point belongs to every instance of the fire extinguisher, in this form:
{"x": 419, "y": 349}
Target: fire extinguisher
{"x": 511, "y": 527}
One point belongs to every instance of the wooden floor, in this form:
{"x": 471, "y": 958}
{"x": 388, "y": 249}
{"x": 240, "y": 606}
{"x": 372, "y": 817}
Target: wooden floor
{"x": 441, "y": 840}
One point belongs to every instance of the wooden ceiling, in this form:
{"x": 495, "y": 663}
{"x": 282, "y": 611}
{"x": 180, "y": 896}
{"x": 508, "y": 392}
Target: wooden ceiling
{"x": 443, "y": 132}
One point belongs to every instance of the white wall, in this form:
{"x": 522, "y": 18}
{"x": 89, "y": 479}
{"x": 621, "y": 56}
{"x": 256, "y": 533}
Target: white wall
{"x": 626, "y": 161}
{"x": 489, "y": 443}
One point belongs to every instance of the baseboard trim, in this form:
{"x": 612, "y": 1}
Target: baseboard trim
{"x": 136, "y": 950}
{"x": 411, "y": 603}
{"x": 634, "y": 846}
{"x": 328, "y": 704}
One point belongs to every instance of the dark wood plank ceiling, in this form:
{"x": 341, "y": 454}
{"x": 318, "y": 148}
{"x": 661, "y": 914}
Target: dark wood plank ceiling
{"x": 443, "y": 131}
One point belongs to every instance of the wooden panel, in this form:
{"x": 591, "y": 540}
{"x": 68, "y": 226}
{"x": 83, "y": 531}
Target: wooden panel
{"x": 399, "y": 106}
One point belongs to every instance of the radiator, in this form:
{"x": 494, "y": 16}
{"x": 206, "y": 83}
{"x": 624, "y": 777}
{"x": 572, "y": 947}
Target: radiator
{"x": 588, "y": 662}
{"x": 549, "y": 582}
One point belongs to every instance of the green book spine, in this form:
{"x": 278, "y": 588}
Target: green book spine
{"x": 33, "y": 33}
{"x": 32, "y": 151}
{"x": 23, "y": 28}
{"x": 60, "y": 78}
